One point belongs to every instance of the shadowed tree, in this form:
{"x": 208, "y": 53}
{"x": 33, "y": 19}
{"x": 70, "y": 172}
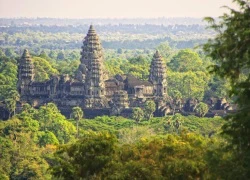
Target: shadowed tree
{"x": 230, "y": 50}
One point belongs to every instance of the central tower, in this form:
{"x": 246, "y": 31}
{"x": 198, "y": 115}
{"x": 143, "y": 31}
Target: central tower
{"x": 92, "y": 71}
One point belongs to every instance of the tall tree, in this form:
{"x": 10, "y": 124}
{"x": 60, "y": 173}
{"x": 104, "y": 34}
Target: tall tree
{"x": 176, "y": 99}
{"x": 231, "y": 52}
{"x": 77, "y": 115}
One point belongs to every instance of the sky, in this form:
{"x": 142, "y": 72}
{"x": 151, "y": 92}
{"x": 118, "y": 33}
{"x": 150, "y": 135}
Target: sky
{"x": 112, "y": 8}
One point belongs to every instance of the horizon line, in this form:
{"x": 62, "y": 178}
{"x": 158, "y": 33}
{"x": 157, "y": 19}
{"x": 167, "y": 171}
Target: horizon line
{"x": 115, "y": 18}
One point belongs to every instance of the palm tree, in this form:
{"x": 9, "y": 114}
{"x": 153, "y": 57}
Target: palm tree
{"x": 149, "y": 109}
{"x": 77, "y": 115}
{"x": 176, "y": 99}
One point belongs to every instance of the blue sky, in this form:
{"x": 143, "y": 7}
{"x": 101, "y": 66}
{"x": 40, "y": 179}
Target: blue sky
{"x": 112, "y": 8}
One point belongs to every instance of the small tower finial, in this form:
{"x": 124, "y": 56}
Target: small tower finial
{"x": 26, "y": 54}
{"x": 157, "y": 53}
{"x": 91, "y": 29}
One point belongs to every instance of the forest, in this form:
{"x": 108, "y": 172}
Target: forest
{"x": 201, "y": 63}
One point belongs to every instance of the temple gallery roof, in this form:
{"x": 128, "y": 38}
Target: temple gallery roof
{"x": 133, "y": 81}
{"x": 37, "y": 83}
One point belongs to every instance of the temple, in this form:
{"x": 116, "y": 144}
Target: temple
{"x": 91, "y": 88}
{"x": 99, "y": 94}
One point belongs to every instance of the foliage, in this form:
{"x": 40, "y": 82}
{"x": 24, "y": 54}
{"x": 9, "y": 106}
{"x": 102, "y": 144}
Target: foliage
{"x": 149, "y": 109}
{"x": 67, "y": 67}
{"x": 202, "y": 109}
{"x": 112, "y": 147}
{"x": 137, "y": 114}
{"x": 43, "y": 69}
{"x": 165, "y": 50}
{"x": 50, "y": 119}
{"x": 8, "y": 76}
{"x": 60, "y": 56}
{"x": 21, "y": 158}
{"x": 47, "y": 138}
{"x": 189, "y": 84}
{"x": 86, "y": 157}
{"x": 105, "y": 123}
{"x": 131, "y": 36}
{"x": 186, "y": 60}
{"x": 230, "y": 51}
{"x": 12, "y": 97}
{"x": 98, "y": 156}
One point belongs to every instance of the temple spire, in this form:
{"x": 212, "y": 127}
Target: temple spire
{"x": 25, "y": 73}
{"x": 158, "y": 76}
{"x": 157, "y": 54}
{"x": 93, "y": 69}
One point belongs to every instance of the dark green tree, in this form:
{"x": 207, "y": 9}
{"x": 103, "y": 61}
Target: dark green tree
{"x": 60, "y": 56}
{"x": 85, "y": 158}
{"x": 230, "y": 50}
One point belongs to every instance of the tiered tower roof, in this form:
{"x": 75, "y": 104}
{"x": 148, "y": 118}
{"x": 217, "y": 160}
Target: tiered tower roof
{"x": 157, "y": 69}
{"x": 91, "y": 43}
{"x": 26, "y": 67}
{"x": 96, "y": 67}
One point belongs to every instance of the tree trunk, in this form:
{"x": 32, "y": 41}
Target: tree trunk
{"x": 174, "y": 110}
{"x": 77, "y": 128}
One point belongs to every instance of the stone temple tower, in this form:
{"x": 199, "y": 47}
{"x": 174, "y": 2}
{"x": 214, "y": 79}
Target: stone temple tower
{"x": 92, "y": 71}
{"x": 25, "y": 74}
{"x": 158, "y": 76}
